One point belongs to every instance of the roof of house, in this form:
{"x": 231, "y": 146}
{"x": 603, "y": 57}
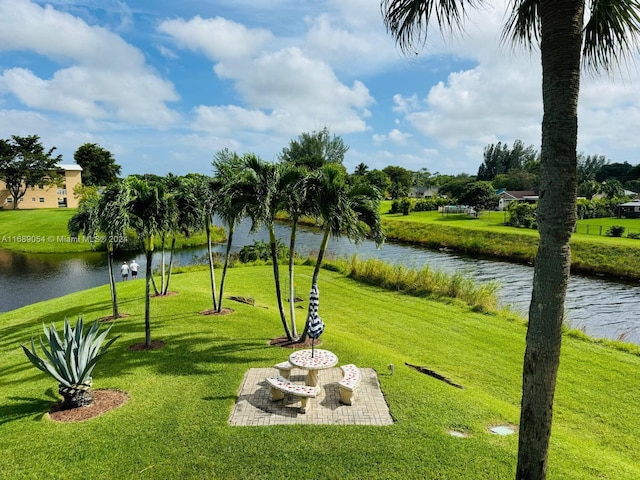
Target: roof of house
{"x": 632, "y": 203}
{"x": 517, "y": 194}
{"x": 69, "y": 166}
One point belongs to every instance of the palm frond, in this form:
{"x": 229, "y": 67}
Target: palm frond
{"x": 408, "y": 20}
{"x": 611, "y": 34}
{"x": 523, "y": 24}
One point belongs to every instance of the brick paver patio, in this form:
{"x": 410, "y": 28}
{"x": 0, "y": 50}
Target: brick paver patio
{"x": 254, "y": 406}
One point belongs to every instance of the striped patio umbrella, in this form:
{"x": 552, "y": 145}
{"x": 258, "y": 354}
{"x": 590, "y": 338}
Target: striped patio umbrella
{"x": 316, "y": 325}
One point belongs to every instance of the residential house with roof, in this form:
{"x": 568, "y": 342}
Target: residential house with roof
{"x": 50, "y": 196}
{"x": 506, "y": 197}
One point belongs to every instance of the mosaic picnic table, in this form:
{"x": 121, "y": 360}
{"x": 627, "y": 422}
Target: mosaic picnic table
{"x": 320, "y": 360}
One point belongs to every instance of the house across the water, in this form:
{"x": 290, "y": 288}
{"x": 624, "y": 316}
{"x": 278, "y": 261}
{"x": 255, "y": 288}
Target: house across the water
{"x": 508, "y": 196}
{"x": 52, "y": 196}
{"x": 629, "y": 209}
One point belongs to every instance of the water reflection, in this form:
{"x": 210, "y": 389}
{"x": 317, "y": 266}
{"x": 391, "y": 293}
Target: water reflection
{"x": 602, "y": 308}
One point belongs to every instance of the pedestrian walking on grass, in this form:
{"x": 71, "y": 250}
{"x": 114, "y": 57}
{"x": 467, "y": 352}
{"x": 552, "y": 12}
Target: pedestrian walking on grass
{"x": 134, "y": 269}
{"x": 124, "y": 271}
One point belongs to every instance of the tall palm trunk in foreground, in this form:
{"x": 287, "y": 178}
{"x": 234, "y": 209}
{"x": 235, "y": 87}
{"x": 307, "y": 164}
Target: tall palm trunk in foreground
{"x": 561, "y": 24}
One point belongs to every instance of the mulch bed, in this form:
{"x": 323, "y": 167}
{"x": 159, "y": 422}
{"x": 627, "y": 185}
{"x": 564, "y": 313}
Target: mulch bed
{"x": 104, "y": 400}
{"x": 168, "y": 294}
{"x": 111, "y": 318}
{"x": 211, "y": 311}
{"x": 286, "y": 343}
{"x": 155, "y": 345}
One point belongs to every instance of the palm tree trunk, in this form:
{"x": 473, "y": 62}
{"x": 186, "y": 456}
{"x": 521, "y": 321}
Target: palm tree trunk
{"x": 112, "y": 283}
{"x": 276, "y": 278}
{"x": 226, "y": 265}
{"x": 292, "y": 287}
{"x": 162, "y": 277}
{"x": 561, "y": 22}
{"x": 212, "y": 277}
{"x": 316, "y": 273}
{"x": 173, "y": 249}
{"x": 147, "y": 300}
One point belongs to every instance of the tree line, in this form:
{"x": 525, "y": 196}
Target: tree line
{"x": 308, "y": 180}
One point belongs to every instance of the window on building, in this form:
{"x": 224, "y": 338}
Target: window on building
{"x": 33, "y": 199}
{"x": 41, "y": 199}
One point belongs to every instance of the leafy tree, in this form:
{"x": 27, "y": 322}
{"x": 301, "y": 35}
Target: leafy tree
{"x": 615, "y": 171}
{"x": 312, "y": 150}
{"x": 24, "y": 164}
{"x": 516, "y": 180}
{"x": 633, "y": 185}
{"x": 342, "y": 209}
{"x": 379, "y": 179}
{"x": 98, "y": 165}
{"x": 360, "y": 170}
{"x": 401, "y": 180}
{"x": 295, "y": 201}
{"x": 612, "y": 188}
{"x": 589, "y": 166}
{"x": 105, "y": 215}
{"x": 422, "y": 178}
{"x": 452, "y": 186}
{"x": 263, "y": 186}
{"x": 480, "y": 196}
{"x": 144, "y": 209}
{"x": 589, "y": 188}
{"x": 559, "y": 30}
{"x": 500, "y": 159}
{"x": 228, "y": 204}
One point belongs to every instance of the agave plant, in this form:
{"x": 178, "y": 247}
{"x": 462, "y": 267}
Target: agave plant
{"x": 70, "y": 360}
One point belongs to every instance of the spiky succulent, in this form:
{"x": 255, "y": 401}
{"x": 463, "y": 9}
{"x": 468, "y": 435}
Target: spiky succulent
{"x": 70, "y": 360}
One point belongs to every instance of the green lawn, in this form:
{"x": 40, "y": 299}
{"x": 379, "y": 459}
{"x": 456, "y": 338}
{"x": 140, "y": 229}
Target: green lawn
{"x": 175, "y": 425}
{"x": 45, "y": 231}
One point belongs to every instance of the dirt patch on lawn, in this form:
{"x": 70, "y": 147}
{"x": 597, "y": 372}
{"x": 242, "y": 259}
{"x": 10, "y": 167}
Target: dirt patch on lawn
{"x": 286, "y": 343}
{"x": 211, "y": 311}
{"x": 111, "y": 318}
{"x": 103, "y": 401}
{"x": 155, "y": 345}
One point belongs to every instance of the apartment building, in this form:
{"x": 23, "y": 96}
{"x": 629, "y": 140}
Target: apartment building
{"x": 52, "y": 196}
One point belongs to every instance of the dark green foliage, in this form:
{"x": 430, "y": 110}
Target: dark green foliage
{"x": 429, "y": 204}
{"x": 479, "y": 195}
{"x": 24, "y": 164}
{"x": 615, "y": 231}
{"x": 522, "y": 215}
{"x": 500, "y": 159}
{"x": 98, "y": 165}
{"x": 261, "y": 250}
{"x": 401, "y": 180}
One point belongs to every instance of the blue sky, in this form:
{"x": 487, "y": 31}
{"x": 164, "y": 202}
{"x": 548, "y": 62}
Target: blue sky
{"x": 164, "y": 84}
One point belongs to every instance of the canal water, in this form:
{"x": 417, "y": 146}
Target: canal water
{"x": 602, "y": 308}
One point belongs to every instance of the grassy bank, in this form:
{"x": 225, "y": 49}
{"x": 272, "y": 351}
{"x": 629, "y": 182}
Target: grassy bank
{"x": 487, "y": 236}
{"x": 45, "y": 231}
{"x": 175, "y": 425}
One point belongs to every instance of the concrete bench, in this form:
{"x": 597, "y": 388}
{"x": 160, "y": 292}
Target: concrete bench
{"x": 280, "y": 386}
{"x": 349, "y": 382}
{"x": 284, "y": 368}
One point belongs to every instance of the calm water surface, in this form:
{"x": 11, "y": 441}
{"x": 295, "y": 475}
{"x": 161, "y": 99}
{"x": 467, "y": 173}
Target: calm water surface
{"x": 600, "y": 307}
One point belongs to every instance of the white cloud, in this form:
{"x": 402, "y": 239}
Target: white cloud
{"x": 108, "y": 77}
{"x": 218, "y": 37}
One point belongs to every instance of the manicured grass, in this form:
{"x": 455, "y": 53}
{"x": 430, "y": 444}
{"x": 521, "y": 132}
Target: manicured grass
{"x": 487, "y": 236}
{"x": 175, "y": 425}
{"x": 45, "y": 231}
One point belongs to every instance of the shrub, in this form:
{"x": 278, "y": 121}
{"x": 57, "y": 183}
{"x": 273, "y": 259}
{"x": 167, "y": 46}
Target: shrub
{"x": 615, "y": 231}
{"x": 406, "y": 205}
{"x": 635, "y": 236}
{"x": 261, "y": 250}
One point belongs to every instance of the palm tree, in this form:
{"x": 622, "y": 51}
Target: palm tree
{"x": 558, "y": 28}
{"x": 343, "y": 209}
{"x": 106, "y": 215}
{"x": 295, "y": 202}
{"x": 261, "y": 187}
{"x": 144, "y": 208}
{"x": 231, "y": 209}
{"x": 189, "y": 215}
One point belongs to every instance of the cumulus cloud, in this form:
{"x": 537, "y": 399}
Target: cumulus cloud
{"x": 218, "y": 38}
{"x": 108, "y": 77}
{"x": 282, "y": 89}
